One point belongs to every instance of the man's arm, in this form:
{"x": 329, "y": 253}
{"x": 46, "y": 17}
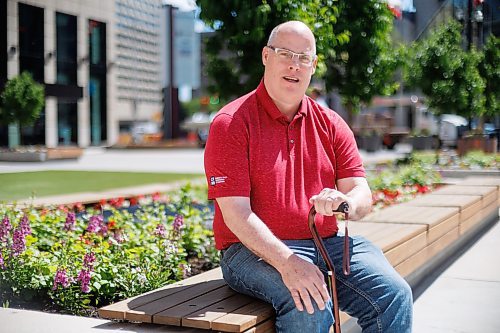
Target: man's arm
{"x": 303, "y": 279}
{"x": 353, "y": 190}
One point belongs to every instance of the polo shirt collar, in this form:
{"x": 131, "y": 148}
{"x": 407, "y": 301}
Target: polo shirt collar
{"x": 271, "y": 108}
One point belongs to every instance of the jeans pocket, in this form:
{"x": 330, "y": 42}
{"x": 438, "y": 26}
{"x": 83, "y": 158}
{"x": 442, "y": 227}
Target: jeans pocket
{"x": 231, "y": 252}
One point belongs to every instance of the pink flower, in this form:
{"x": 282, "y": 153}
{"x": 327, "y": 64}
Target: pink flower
{"x": 70, "y": 222}
{"x": 178, "y": 222}
{"x": 24, "y": 225}
{"x": 89, "y": 260}
{"x": 61, "y": 279}
{"x": 5, "y": 228}
{"x": 18, "y": 242}
{"x": 160, "y": 230}
{"x": 84, "y": 278}
{"x": 2, "y": 264}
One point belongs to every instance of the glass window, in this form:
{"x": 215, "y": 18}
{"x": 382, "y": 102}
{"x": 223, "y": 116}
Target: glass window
{"x": 31, "y": 39}
{"x": 66, "y": 49}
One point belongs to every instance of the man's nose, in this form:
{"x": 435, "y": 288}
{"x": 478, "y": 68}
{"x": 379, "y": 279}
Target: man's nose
{"x": 294, "y": 62}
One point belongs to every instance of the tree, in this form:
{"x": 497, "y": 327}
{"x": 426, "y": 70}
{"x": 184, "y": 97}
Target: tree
{"x": 445, "y": 73}
{"x": 364, "y": 66}
{"x": 490, "y": 72}
{"x": 20, "y": 104}
{"x": 234, "y": 50}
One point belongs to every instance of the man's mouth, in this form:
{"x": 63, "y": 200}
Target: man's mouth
{"x": 291, "y": 79}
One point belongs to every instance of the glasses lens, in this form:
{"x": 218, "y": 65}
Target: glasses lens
{"x": 305, "y": 59}
{"x": 285, "y": 54}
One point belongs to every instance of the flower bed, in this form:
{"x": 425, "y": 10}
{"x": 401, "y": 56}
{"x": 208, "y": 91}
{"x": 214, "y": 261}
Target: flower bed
{"x": 75, "y": 259}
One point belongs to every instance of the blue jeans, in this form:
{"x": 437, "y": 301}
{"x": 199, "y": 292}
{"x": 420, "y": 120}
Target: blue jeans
{"x": 374, "y": 292}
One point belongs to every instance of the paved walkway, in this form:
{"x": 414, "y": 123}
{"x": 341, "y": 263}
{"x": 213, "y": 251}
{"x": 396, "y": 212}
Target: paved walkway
{"x": 146, "y": 160}
{"x": 465, "y": 297}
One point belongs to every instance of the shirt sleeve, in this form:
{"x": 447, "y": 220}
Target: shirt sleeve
{"x": 348, "y": 159}
{"x": 226, "y": 158}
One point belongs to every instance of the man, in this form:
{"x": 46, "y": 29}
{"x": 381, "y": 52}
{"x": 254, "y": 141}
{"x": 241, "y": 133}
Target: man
{"x": 270, "y": 155}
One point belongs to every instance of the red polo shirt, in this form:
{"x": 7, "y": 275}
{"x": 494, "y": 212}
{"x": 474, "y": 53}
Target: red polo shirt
{"x": 253, "y": 151}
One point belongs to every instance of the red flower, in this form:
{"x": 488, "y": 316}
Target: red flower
{"x": 134, "y": 201}
{"x": 422, "y": 188}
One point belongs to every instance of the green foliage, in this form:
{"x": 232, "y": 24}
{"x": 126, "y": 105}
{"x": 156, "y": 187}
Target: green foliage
{"x": 363, "y": 66}
{"x": 242, "y": 29}
{"x": 408, "y": 175}
{"x": 134, "y": 251}
{"x": 445, "y": 73}
{"x": 490, "y": 71}
{"x": 21, "y": 101}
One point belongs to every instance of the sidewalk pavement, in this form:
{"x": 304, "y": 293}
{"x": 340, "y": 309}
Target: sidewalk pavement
{"x": 148, "y": 160}
{"x": 465, "y": 297}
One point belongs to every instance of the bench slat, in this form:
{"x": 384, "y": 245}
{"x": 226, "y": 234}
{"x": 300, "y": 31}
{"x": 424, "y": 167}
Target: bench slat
{"x": 418, "y": 259}
{"x": 204, "y": 317}
{"x": 184, "y": 294}
{"x": 404, "y": 213}
{"x": 173, "y": 315}
{"x": 265, "y": 327}
{"x": 244, "y": 317}
{"x": 117, "y": 310}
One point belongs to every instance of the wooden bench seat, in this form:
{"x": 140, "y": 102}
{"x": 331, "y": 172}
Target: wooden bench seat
{"x": 415, "y": 237}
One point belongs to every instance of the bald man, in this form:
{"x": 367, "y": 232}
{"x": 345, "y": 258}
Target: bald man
{"x": 270, "y": 155}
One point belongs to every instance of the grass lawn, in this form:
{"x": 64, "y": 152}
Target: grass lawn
{"x": 23, "y": 185}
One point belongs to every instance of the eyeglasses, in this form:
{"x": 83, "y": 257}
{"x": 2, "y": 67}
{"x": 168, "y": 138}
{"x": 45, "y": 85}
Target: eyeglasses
{"x": 287, "y": 55}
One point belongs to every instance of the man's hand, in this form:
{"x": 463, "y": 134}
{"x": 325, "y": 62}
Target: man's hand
{"x": 328, "y": 201}
{"x": 304, "y": 280}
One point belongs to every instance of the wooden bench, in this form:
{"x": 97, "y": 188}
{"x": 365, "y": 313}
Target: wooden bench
{"x": 416, "y": 237}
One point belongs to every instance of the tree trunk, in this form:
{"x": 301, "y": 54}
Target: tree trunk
{"x": 14, "y": 135}
{"x": 350, "y": 114}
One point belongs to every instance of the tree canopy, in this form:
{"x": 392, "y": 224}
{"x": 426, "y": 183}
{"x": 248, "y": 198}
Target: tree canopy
{"x": 445, "y": 73}
{"x": 363, "y": 66}
{"x": 489, "y": 69}
{"x": 21, "y": 101}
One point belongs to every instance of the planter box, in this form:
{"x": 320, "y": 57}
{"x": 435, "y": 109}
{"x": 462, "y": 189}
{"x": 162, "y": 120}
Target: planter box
{"x": 422, "y": 142}
{"x": 63, "y": 153}
{"x": 23, "y": 156}
{"x": 370, "y": 143}
{"x": 479, "y": 142}
{"x": 41, "y": 155}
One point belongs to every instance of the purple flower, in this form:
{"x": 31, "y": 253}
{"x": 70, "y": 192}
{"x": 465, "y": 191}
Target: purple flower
{"x": 61, "y": 279}
{"x": 160, "y": 230}
{"x": 96, "y": 225}
{"x": 5, "y": 228}
{"x": 18, "y": 242}
{"x": 70, "y": 221}
{"x": 2, "y": 264}
{"x": 178, "y": 222}
{"x": 24, "y": 225}
{"x": 84, "y": 278}
{"x": 89, "y": 260}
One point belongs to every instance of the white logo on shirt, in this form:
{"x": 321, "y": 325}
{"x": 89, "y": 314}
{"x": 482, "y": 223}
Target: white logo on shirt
{"x": 217, "y": 180}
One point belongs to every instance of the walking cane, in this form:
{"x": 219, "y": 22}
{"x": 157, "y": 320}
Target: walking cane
{"x": 343, "y": 208}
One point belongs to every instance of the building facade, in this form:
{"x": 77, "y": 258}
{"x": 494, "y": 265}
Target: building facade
{"x": 137, "y": 64}
{"x": 66, "y": 46}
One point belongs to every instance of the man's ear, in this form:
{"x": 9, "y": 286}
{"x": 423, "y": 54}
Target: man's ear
{"x": 265, "y": 55}
{"x": 315, "y": 63}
